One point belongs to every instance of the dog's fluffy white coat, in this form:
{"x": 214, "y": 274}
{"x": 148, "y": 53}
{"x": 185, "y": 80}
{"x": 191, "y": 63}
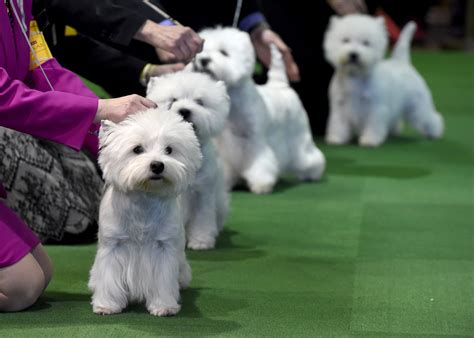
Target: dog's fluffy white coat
{"x": 370, "y": 96}
{"x": 204, "y": 103}
{"x": 140, "y": 255}
{"x": 268, "y": 132}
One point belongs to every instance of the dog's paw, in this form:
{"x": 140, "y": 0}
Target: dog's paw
{"x": 310, "y": 176}
{"x": 185, "y": 276}
{"x": 434, "y": 129}
{"x": 369, "y": 142}
{"x": 164, "y": 311}
{"x": 261, "y": 188}
{"x": 104, "y": 311}
{"x": 201, "y": 243}
{"x": 335, "y": 140}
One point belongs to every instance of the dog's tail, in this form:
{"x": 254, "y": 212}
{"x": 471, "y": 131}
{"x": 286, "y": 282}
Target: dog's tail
{"x": 401, "y": 51}
{"x": 277, "y": 72}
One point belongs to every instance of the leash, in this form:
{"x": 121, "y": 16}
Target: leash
{"x": 22, "y": 25}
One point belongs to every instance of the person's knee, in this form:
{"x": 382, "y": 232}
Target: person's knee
{"x": 44, "y": 262}
{"x": 22, "y": 286}
{"x": 23, "y": 295}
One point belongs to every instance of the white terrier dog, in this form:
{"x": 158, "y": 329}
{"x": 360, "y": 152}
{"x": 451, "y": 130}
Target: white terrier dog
{"x": 205, "y": 104}
{"x": 147, "y": 161}
{"x": 370, "y": 96}
{"x": 268, "y": 132}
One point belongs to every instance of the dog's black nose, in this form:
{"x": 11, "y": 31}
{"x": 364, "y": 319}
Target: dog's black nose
{"x": 204, "y": 62}
{"x": 353, "y": 57}
{"x": 157, "y": 167}
{"x": 185, "y": 113}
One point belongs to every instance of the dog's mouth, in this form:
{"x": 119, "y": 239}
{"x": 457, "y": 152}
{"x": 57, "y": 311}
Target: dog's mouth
{"x": 155, "y": 177}
{"x": 207, "y": 71}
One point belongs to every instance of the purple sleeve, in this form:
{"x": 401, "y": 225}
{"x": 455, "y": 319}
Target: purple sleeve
{"x": 64, "y": 80}
{"x": 57, "y": 116}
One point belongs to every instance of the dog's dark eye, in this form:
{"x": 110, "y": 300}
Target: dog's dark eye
{"x": 173, "y": 100}
{"x": 346, "y": 40}
{"x": 200, "y": 102}
{"x": 138, "y": 150}
{"x": 366, "y": 43}
{"x": 168, "y": 150}
{"x": 223, "y": 52}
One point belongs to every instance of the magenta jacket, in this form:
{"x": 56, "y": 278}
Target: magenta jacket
{"x": 26, "y": 103}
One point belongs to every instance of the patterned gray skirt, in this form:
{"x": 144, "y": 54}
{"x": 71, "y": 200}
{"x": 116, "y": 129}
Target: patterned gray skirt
{"x": 53, "y": 188}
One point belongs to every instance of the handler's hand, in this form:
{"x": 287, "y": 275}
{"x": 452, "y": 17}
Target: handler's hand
{"x": 262, "y": 38}
{"x": 172, "y": 43}
{"x": 344, "y": 7}
{"x": 119, "y": 108}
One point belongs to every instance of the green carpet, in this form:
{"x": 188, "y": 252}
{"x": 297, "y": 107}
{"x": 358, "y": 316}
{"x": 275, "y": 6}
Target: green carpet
{"x": 382, "y": 247}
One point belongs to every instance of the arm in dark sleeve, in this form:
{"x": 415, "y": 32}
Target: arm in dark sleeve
{"x": 109, "y": 64}
{"x": 115, "y": 21}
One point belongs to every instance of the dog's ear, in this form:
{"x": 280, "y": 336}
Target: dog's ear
{"x": 106, "y": 127}
{"x": 381, "y": 21}
{"x": 333, "y": 20}
{"x": 221, "y": 84}
{"x": 152, "y": 84}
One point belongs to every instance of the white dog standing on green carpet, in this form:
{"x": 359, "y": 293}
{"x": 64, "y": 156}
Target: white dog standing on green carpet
{"x": 267, "y": 133}
{"x": 370, "y": 96}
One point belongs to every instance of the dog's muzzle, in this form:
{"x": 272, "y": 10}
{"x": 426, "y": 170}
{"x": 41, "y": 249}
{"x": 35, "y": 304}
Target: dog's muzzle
{"x": 354, "y": 58}
{"x": 157, "y": 169}
{"x": 200, "y": 67}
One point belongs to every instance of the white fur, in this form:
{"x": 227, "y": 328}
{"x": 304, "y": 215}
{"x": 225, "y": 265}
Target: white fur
{"x": 369, "y": 96}
{"x": 207, "y": 103}
{"x": 140, "y": 255}
{"x": 267, "y": 134}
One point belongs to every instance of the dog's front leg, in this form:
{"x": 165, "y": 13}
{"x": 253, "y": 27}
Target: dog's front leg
{"x": 338, "y": 128}
{"x": 262, "y": 171}
{"x": 185, "y": 273}
{"x": 202, "y": 230}
{"x": 106, "y": 280}
{"x": 376, "y": 128}
{"x": 163, "y": 296}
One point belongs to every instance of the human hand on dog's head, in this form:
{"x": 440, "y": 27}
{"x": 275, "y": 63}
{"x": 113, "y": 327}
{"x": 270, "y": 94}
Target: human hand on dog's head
{"x": 262, "y": 37}
{"x": 117, "y": 109}
{"x": 344, "y": 7}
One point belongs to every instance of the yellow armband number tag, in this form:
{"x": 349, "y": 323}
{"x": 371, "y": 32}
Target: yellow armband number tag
{"x": 69, "y": 31}
{"x": 39, "y": 45}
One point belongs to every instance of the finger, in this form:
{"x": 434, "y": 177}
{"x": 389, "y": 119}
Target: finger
{"x": 186, "y": 52}
{"x": 291, "y": 67}
{"x": 200, "y": 43}
{"x": 294, "y": 73}
{"x": 174, "y": 67}
{"x": 165, "y": 69}
{"x": 147, "y": 103}
{"x": 362, "y": 6}
{"x": 178, "y": 53}
{"x": 165, "y": 56}
{"x": 196, "y": 42}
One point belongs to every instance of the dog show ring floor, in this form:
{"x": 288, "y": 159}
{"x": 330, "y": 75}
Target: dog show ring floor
{"x": 383, "y": 246}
